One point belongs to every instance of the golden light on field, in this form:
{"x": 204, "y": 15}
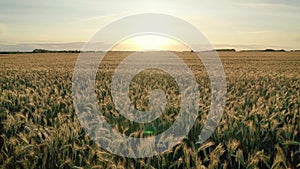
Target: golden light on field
{"x": 40, "y": 128}
{"x": 150, "y": 42}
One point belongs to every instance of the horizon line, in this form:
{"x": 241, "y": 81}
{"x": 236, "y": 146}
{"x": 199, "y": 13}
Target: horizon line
{"x": 100, "y": 51}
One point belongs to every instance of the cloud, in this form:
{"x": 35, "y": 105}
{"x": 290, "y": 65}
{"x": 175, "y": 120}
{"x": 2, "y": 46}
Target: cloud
{"x": 99, "y": 45}
{"x": 2, "y": 29}
{"x": 89, "y": 19}
{"x": 96, "y": 46}
{"x": 297, "y": 39}
{"x": 249, "y": 46}
{"x": 48, "y": 46}
{"x": 267, "y": 5}
{"x": 255, "y": 32}
{"x": 102, "y": 18}
{"x": 59, "y": 46}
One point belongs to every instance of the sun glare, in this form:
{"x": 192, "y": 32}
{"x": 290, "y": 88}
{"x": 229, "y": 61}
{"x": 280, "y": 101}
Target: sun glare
{"x": 150, "y": 42}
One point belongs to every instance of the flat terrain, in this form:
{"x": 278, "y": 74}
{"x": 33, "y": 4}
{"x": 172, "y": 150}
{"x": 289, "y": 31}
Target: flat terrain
{"x": 259, "y": 129}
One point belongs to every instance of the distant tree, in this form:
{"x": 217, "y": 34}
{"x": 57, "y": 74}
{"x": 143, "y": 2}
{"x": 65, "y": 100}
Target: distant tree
{"x": 270, "y": 50}
{"x": 225, "y": 50}
{"x": 54, "y": 51}
{"x": 40, "y": 51}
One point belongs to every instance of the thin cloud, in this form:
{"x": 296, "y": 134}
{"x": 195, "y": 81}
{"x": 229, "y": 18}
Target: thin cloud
{"x": 48, "y": 46}
{"x": 249, "y": 46}
{"x": 60, "y": 46}
{"x": 297, "y": 39}
{"x": 255, "y": 32}
{"x": 98, "y": 18}
{"x": 88, "y": 19}
{"x": 268, "y": 5}
{"x": 99, "y": 45}
{"x": 96, "y": 46}
{"x": 2, "y": 29}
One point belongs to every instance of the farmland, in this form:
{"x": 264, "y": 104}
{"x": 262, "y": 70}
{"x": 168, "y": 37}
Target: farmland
{"x": 259, "y": 129}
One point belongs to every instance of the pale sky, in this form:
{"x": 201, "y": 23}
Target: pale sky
{"x": 68, "y": 24}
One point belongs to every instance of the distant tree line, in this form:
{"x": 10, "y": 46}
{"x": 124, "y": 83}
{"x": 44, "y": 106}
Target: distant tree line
{"x": 41, "y": 51}
{"x": 13, "y": 52}
{"x": 266, "y": 50}
{"x": 78, "y": 51}
{"x": 54, "y": 51}
{"x": 225, "y": 50}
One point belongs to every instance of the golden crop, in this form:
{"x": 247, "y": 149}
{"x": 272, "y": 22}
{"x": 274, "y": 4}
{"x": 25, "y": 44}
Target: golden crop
{"x": 259, "y": 129}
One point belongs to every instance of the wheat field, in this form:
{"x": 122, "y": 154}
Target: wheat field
{"x": 259, "y": 129}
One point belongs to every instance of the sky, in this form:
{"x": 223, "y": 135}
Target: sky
{"x": 68, "y": 24}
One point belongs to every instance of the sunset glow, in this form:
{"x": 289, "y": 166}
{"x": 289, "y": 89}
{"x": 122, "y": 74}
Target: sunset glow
{"x": 150, "y": 42}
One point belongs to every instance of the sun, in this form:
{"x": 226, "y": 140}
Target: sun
{"x": 150, "y": 42}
